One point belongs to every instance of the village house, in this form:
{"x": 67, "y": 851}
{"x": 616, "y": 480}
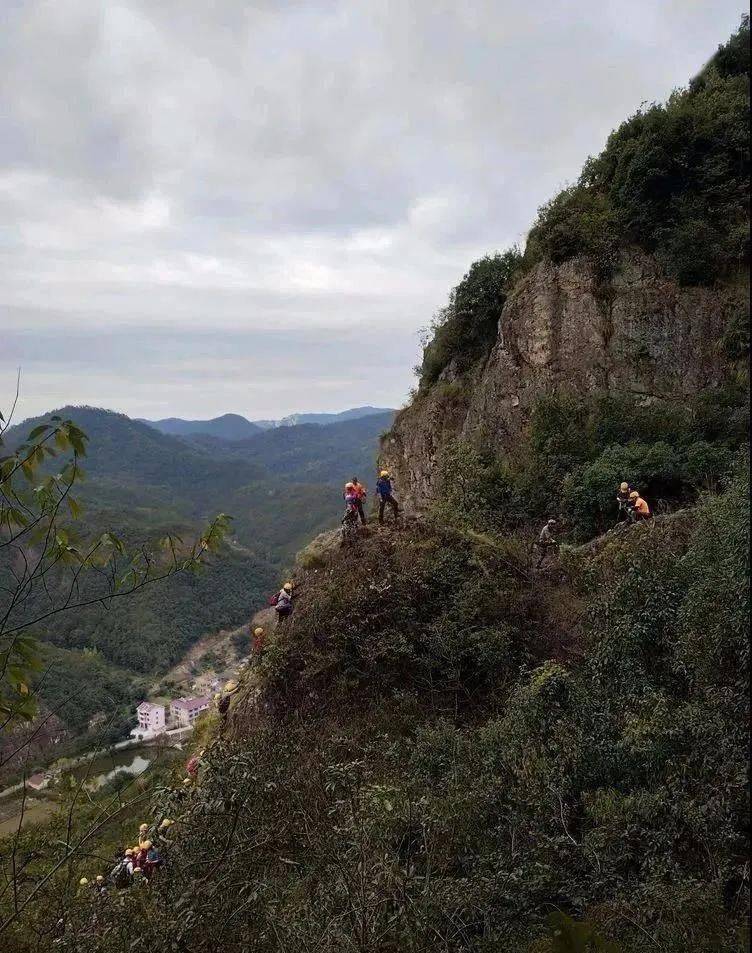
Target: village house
{"x": 184, "y": 711}
{"x": 151, "y": 719}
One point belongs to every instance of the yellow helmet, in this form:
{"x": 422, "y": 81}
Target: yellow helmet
{"x": 231, "y": 685}
{"x": 624, "y": 487}
{"x": 83, "y": 881}
{"x": 146, "y": 844}
{"x": 258, "y": 631}
{"x": 143, "y": 827}
{"x": 287, "y": 587}
{"x": 186, "y": 780}
{"x": 384, "y": 473}
{"x": 165, "y": 823}
{"x": 634, "y": 495}
{"x": 100, "y": 879}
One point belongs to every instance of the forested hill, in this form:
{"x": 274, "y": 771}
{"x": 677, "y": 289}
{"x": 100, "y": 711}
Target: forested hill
{"x": 142, "y": 484}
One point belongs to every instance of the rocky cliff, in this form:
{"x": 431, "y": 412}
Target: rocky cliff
{"x": 563, "y": 328}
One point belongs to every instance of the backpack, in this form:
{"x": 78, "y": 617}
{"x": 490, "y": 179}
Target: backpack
{"x": 119, "y": 875}
{"x": 224, "y": 705}
{"x": 273, "y": 600}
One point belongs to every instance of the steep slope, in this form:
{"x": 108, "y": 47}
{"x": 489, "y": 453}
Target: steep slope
{"x": 442, "y": 748}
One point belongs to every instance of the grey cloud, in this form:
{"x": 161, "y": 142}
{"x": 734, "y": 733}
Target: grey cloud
{"x": 324, "y": 165}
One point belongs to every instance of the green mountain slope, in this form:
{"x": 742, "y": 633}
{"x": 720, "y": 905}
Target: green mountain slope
{"x": 143, "y": 484}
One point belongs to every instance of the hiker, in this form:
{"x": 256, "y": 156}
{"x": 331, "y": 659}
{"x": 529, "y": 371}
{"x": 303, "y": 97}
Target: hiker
{"x": 283, "y": 605}
{"x": 152, "y": 861}
{"x": 140, "y": 859}
{"x": 547, "y": 540}
{"x": 121, "y": 873}
{"x": 223, "y": 705}
{"x": 259, "y": 637}
{"x": 639, "y": 508}
{"x": 360, "y": 493}
{"x": 193, "y": 764}
{"x": 623, "y": 501}
{"x": 384, "y": 491}
{"x": 350, "y": 519}
{"x": 143, "y": 830}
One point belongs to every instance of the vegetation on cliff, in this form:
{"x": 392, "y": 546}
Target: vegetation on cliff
{"x": 445, "y": 751}
{"x": 673, "y": 179}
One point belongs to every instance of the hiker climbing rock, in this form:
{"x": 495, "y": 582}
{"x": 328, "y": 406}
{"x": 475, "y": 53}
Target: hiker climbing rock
{"x": 283, "y": 603}
{"x": 623, "y": 501}
{"x": 639, "y": 509}
{"x": 385, "y": 493}
{"x": 547, "y": 541}
{"x": 360, "y": 493}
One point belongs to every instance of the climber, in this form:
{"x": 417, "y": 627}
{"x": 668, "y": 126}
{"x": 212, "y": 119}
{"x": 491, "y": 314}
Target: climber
{"x": 360, "y": 493}
{"x": 283, "y": 606}
{"x": 152, "y": 861}
{"x": 259, "y": 637}
{"x": 223, "y": 705}
{"x": 547, "y": 540}
{"x": 121, "y": 873}
{"x": 384, "y": 491}
{"x": 639, "y": 509}
{"x": 622, "y": 499}
{"x": 193, "y": 764}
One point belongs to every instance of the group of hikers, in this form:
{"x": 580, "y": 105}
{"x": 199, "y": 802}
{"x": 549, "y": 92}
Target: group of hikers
{"x": 135, "y": 864}
{"x": 355, "y": 498}
{"x": 632, "y": 508}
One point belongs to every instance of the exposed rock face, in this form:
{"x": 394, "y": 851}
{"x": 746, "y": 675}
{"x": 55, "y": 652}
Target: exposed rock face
{"x": 563, "y": 329}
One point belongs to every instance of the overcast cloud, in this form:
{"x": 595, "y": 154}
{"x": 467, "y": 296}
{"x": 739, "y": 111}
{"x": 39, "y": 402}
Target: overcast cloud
{"x": 254, "y": 206}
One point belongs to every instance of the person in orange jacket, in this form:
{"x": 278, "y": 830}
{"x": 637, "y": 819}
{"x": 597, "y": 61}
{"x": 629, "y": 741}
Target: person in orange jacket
{"x": 359, "y": 491}
{"x": 640, "y": 509}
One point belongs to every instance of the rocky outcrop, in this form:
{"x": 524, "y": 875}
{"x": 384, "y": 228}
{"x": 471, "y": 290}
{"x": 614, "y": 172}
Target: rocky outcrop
{"x": 564, "y": 328}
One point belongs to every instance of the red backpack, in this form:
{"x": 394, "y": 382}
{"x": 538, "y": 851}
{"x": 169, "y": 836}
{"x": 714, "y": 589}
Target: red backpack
{"x": 273, "y": 600}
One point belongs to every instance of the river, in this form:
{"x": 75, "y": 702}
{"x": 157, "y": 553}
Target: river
{"x": 94, "y": 773}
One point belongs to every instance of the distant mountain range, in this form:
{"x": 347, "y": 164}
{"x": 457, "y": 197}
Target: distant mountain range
{"x": 226, "y": 427}
{"x": 236, "y": 427}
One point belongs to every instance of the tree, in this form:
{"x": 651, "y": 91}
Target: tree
{"x": 50, "y": 565}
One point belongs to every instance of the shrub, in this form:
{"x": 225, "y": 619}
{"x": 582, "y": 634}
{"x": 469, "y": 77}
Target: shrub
{"x": 673, "y": 179}
{"x": 466, "y": 328}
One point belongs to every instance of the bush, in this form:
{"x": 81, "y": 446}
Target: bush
{"x": 467, "y": 327}
{"x": 673, "y": 179}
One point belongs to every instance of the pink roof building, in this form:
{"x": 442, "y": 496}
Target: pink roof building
{"x": 151, "y": 717}
{"x": 184, "y": 711}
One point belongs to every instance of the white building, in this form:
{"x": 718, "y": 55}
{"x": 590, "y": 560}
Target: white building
{"x": 184, "y": 711}
{"x": 151, "y": 720}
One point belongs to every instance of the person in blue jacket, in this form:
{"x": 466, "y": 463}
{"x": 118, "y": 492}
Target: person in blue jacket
{"x": 384, "y": 491}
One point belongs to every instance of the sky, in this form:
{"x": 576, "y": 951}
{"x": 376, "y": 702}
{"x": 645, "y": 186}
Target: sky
{"x": 255, "y": 207}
